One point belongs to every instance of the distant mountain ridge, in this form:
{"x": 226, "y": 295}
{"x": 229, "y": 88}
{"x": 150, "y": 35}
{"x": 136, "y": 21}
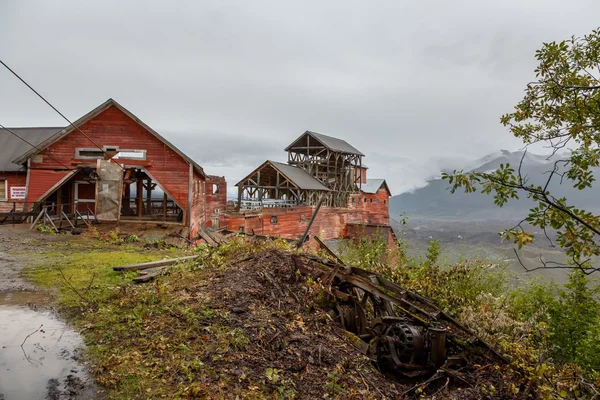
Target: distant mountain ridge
{"x": 435, "y": 200}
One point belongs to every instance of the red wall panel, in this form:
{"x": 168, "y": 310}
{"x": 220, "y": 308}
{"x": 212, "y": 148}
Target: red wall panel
{"x": 330, "y": 223}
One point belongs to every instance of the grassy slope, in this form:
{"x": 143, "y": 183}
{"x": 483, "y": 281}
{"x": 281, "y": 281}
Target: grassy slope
{"x": 210, "y": 331}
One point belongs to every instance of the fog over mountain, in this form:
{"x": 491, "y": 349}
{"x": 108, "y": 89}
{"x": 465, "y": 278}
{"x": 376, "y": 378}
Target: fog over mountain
{"x": 434, "y": 200}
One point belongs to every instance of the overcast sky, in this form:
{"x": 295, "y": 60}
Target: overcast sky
{"x": 415, "y": 85}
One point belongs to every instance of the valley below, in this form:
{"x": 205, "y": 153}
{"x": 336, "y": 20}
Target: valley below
{"x": 462, "y": 239}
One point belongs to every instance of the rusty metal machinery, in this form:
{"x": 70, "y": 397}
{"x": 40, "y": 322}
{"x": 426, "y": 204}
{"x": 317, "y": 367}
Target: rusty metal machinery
{"x": 403, "y": 332}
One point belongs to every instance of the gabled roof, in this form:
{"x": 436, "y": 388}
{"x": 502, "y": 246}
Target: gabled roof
{"x": 299, "y": 177}
{"x": 332, "y": 143}
{"x": 11, "y": 145}
{"x": 95, "y": 112}
{"x": 373, "y": 185}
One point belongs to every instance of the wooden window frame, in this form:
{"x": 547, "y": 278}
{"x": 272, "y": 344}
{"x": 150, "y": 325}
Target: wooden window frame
{"x": 5, "y": 198}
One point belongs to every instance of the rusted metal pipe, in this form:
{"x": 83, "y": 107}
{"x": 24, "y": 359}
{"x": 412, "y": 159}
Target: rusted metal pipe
{"x": 437, "y": 336}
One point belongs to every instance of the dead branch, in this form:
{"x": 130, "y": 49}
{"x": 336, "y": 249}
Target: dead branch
{"x": 24, "y": 340}
{"x": 557, "y": 265}
{"x": 70, "y": 286}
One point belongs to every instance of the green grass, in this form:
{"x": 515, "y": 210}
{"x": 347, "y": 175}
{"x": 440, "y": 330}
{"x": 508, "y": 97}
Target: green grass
{"x": 73, "y": 267}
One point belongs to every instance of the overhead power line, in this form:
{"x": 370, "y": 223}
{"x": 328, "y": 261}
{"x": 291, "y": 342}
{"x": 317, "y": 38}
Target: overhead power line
{"x": 55, "y": 109}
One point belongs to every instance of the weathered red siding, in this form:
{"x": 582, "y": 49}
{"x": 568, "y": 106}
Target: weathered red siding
{"x": 360, "y": 173}
{"x": 216, "y": 199}
{"x": 330, "y": 223}
{"x": 40, "y": 181}
{"x": 112, "y": 127}
{"x": 370, "y": 208}
{"x": 14, "y": 179}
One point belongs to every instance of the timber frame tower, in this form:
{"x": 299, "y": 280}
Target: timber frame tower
{"x": 331, "y": 161}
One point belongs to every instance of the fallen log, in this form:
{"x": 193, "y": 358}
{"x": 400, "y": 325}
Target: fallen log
{"x": 152, "y": 264}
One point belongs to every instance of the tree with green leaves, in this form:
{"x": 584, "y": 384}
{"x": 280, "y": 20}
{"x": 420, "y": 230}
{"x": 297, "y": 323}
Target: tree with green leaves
{"x": 561, "y": 109}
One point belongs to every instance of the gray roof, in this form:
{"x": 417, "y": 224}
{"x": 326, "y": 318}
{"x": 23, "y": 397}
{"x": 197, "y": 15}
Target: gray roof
{"x": 373, "y": 185}
{"x": 300, "y": 177}
{"x": 12, "y": 147}
{"x": 332, "y": 143}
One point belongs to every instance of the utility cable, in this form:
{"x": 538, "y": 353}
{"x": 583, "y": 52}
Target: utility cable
{"x": 55, "y": 109}
{"x": 35, "y": 147}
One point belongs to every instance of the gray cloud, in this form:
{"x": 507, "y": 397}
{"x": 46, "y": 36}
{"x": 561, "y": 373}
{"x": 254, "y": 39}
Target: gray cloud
{"x": 415, "y": 86}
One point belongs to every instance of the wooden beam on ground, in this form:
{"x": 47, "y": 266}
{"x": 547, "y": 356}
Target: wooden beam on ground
{"x": 328, "y": 250}
{"x": 204, "y": 235}
{"x": 153, "y": 264}
{"x": 146, "y": 277}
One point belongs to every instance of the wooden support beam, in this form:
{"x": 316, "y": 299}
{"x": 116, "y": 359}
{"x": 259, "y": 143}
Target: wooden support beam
{"x": 149, "y": 197}
{"x": 62, "y": 213}
{"x": 165, "y": 206}
{"x": 138, "y": 194}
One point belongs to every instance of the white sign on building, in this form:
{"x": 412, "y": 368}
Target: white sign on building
{"x": 18, "y": 192}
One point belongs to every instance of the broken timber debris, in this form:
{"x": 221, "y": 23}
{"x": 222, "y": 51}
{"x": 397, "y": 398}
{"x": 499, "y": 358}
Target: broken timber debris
{"x": 407, "y": 335}
{"x": 403, "y": 332}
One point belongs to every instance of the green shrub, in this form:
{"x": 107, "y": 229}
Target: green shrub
{"x": 570, "y": 315}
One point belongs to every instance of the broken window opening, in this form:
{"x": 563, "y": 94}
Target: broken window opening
{"x": 89, "y": 153}
{"x": 273, "y": 219}
{"x": 131, "y": 154}
{"x": 215, "y": 188}
{"x": 198, "y": 188}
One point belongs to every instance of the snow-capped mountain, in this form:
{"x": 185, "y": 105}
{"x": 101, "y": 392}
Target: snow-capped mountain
{"x": 435, "y": 199}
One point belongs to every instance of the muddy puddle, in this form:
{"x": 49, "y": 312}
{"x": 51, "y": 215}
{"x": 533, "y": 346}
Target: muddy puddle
{"x": 38, "y": 352}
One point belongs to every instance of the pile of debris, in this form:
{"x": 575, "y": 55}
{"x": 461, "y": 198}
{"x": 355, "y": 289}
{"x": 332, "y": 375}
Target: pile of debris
{"x": 317, "y": 327}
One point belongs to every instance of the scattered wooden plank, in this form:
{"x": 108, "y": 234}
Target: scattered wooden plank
{"x": 151, "y": 270}
{"x": 202, "y": 233}
{"x": 216, "y": 236}
{"x": 152, "y": 264}
{"x": 328, "y": 250}
{"x": 146, "y": 277}
{"x": 183, "y": 237}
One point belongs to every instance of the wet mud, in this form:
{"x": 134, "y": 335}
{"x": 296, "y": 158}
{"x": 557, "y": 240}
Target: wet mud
{"x": 39, "y": 353}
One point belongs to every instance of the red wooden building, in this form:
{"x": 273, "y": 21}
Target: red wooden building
{"x": 113, "y": 165}
{"x": 110, "y": 163}
{"x": 280, "y": 199}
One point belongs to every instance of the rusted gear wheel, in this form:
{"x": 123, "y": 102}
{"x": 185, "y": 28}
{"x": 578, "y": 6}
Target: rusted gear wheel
{"x": 399, "y": 345}
{"x": 352, "y": 318}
